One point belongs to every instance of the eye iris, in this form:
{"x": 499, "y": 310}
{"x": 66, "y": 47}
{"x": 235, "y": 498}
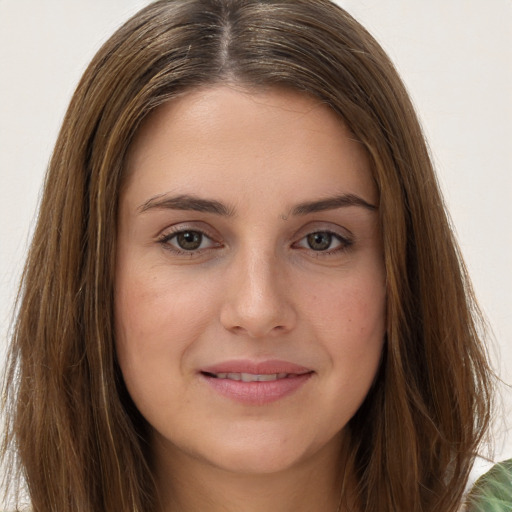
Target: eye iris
{"x": 189, "y": 240}
{"x": 319, "y": 241}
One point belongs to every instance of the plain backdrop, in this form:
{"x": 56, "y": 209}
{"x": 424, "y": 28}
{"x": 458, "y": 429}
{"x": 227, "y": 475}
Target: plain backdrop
{"x": 455, "y": 57}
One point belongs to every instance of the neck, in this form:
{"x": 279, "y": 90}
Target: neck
{"x": 188, "y": 485}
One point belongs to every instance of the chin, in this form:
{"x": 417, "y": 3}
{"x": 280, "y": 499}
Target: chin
{"x": 258, "y": 461}
{"x": 267, "y": 452}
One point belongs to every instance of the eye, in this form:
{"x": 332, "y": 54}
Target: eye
{"x": 320, "y": 241}
{"x": 323, "y": 241}
{"x": 187, "y": 240}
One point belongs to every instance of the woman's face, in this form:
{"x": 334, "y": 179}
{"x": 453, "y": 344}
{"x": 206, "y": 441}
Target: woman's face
{"x": 250, "y": 296}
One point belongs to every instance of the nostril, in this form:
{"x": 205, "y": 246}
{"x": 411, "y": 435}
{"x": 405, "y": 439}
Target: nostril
{"x": 257, "y": 312}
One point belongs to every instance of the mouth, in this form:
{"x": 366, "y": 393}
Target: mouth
{"x": 252, "y": 383}
{"x": 251, "y": 377}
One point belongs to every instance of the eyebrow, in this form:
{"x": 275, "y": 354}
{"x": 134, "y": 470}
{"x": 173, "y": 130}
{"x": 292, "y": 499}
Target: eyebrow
{"x": 332, "y": 203}
{"x": 186, "y": 202}
{"x": 194, "y": 203}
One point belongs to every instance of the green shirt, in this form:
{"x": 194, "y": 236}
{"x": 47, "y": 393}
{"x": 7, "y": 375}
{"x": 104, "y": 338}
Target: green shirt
{"x": 492, "y": 492}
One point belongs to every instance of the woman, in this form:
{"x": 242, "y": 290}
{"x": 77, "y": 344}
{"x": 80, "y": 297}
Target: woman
{"x": 243, "y": 291}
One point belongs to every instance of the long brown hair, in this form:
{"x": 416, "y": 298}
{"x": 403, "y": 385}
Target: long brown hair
{"x": 72, "y": 430}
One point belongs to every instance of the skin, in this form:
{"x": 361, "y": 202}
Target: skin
{"x": 254, "y": 289}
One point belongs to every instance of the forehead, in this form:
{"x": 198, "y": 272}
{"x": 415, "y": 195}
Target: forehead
{"x": 226, "y": 135}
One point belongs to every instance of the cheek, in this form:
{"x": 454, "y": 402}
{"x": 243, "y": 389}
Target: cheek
{"x": 158, "y": 299}
{"x": 353, "y": 306}
{"x": 349, "y": 319}
{"x": 157, "y": 317}
{"x": 157, "y": 321}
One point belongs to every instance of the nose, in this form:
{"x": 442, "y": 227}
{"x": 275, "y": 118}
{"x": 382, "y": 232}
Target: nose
{"x": 257, "y": 299}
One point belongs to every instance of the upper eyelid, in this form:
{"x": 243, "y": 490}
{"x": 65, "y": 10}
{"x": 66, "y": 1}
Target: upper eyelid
{"x": 344, "y": 240}
{"x": 323, "y": 227}
{"x": 165, "y": 237}
{"x": 175, "y": 229}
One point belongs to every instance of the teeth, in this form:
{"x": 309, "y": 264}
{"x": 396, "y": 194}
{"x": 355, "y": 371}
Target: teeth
{"x": 251, "y": 377}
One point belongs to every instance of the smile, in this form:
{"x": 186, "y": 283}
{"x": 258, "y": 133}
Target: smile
{"x": 250, "y": 377}
{"x": 256, "y": 383}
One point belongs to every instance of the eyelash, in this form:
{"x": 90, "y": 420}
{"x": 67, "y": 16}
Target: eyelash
{"x": 345, "y": 243}
{"x": 165, "y": 241}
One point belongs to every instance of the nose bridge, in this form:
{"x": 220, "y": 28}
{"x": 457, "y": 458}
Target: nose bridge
{"x": 257, "y": 301}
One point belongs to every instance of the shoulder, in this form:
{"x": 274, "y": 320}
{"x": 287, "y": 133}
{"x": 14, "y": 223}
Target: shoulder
{"x": 492, "y": 492}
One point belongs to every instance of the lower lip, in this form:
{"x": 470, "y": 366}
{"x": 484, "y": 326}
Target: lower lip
{"x": 257, "y": 393}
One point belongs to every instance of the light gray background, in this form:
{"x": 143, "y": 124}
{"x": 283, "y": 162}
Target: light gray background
{"x": 454, "y": 55}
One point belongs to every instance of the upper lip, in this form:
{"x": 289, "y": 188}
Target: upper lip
{"x": 267, "y": 367}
